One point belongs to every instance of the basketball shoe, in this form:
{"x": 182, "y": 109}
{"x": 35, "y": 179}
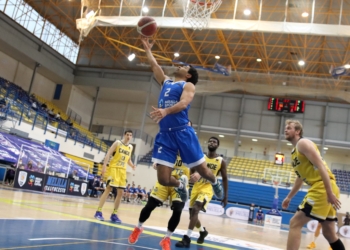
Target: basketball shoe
{"x": 165, "y": 243}
{"x": 202, "y": 235}
{"x": 99, "y": 216}
{"x": 184, "y": 191}
{"x": 218, "y": 191}
{"x": 115, "y": 218}
{"x": 312, "y": 245}
{"x": 134, "y": 236}
{"x": 184, "y": 243}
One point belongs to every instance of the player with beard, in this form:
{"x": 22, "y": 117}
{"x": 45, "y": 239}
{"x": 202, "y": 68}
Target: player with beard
{"x": 202, "y": 193}
{"x": 322, "y": 199}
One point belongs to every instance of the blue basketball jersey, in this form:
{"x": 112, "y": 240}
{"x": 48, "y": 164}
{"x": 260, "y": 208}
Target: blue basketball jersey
{"x": 170, "y": 95}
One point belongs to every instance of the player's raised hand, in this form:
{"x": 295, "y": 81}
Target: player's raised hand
{"x": 285, "y": 203}
{"x": 334, "y": 201}
{"x": 146, "y": 44}
{"x": 158, "y": 114}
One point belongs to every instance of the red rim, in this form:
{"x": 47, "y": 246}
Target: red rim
{"x": 201, "y": 3}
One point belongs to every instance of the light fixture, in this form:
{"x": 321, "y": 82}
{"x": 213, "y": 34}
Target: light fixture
{"x": 247, "y": 12}
{"x": 289, "y": 144}
{"x": 217, "y": 57}
{"x": 305, "y": 14}
{"x": 258, "y": 59}
{"x": 176, "y": 54}
{"x": 279, "y": 62}
{"x": 131, "y": 57}
{"x": 90, "y": 14}
{"x": 221, "y": 136}
{"x": 254, "y": 139}
{"x": 301, "y": 63}
{"x": 145, "y": 9}
{"x": 325, "y": 148}
{"x": 347, "y": 66}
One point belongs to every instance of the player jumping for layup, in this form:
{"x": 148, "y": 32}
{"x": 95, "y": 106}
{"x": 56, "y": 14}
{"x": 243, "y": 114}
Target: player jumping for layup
{"x": 322, "y": 199}
{"x": 202, "y": 193}
{"x": 116, "y": 173}
{"x": 175, "y": 135}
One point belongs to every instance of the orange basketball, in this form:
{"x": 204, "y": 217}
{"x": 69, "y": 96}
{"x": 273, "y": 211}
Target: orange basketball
{"x": 147, "y": 26}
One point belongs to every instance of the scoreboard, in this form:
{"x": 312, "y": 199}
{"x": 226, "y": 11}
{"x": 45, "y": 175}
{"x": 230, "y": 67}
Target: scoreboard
{"x": 286, "y": 105}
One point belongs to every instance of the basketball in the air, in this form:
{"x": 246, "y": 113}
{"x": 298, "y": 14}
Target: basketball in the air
{"x": 147, "y": 26}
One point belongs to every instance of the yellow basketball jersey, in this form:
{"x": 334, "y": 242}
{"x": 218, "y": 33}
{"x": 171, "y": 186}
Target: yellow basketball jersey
{"x": 121, "y": 156}
{"x": 180, "y": 169}
{"x": 304, "y": 168}
{"x": 214, "y": 165}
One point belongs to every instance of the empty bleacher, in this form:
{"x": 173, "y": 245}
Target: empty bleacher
{"x": 343, "y": 179}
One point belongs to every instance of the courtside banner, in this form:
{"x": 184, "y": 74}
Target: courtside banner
{"x": 238, "y": 213}
{"x": 273, "y": 220}
{"x": 77, "y": 188}
{"x": 212, "y": 209}
{"x": 54, "y": 184}
{"x": 29, "y": 180}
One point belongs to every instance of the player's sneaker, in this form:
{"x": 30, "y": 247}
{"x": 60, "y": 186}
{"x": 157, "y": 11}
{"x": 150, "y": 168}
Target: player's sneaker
{"x": 99, "y": 216}
{"x": 134, "y": 236}
{"x": 218, "y": 191}
{"x": 115, "y": 219}
{"x": 202, "y": 235}
{"x": 165, "y": 243}
{"x": 184, "y": 191}
{"x": 311, "y": 246}
{"x": 184, "y": 243}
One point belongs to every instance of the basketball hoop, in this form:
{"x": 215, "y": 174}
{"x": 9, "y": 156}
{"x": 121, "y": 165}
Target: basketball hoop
{"x": 197, "y": 13}
{"x": 276, "y": 182}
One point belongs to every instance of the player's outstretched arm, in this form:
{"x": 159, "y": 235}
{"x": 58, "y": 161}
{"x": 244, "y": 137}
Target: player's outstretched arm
{"x": 297, "y": 185}
{"x": 223, "y": 172}
{"x": 157, "y": 70}
{"x": 185, "y": 99}
{"x": 307, "y": 148}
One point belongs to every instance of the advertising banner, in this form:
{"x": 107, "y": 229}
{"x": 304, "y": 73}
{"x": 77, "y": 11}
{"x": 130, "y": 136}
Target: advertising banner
{"x": 273, "y": 220}
{"x": 238, "y": 213}
{"x": 77, "y": 188}
{"x": 55, "y": 184}
{"x": 29, "y": 180}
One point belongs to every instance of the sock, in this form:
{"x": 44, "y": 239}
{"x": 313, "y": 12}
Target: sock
{"x": 168, "y": 234}
{"x": 315, "y": 238}
{"x": 115, "y": 211}
{"x": 99, "y": 209}
{"x": 215, "y": 182}
{"x": 181, "y": 186}
{"x": 139, "y": 225}
{"x": 201, "y": 229}
{"x": 189, "y": 233}
{"x": 338, "y": 245}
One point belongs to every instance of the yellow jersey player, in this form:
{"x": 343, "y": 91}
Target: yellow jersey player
{"x": 322, "y": 199}
{"x": 202, "y": 193}
{"x": 116, "y": 173}
{"x": 158, "y": 195}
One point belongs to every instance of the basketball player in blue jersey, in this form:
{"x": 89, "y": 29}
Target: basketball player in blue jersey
{"x": 175, "y": 135}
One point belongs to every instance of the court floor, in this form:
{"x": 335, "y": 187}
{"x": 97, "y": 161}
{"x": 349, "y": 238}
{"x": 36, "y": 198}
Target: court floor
{"x": 48, "y": 221}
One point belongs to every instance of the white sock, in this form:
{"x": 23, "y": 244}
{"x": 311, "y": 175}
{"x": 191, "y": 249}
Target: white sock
{"x": 189, "y": 233}
{"x": 140, "y": 225}
{"x": 181, "y": 186}
{"x": 168, "y": 234}
{"x": 215, "y": 182}
{"x": 201, "y": 229}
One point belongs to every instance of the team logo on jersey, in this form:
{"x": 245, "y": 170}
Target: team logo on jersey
{"x": 160, "y": 104}
{"x": 160, "y": 150}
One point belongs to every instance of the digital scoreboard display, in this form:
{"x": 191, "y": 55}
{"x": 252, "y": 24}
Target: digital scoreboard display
{"x": 279, "y": 159}
{"x": 286, "y": 105}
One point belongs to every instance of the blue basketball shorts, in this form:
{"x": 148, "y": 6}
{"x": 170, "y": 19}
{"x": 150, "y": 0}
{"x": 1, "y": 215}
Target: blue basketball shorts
{"x": 171, "y": 141}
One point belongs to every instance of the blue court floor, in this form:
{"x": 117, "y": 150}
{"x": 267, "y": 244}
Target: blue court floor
{"x": 81, "y": 235}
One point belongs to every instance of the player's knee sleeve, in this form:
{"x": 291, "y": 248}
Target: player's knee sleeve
{"x": 152, "y": 203}
{"x": 177, "y": 208}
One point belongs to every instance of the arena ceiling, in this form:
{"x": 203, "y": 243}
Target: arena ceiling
{"x": 320, "y": 40}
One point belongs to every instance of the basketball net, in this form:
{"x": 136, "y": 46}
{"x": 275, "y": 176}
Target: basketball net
{"x": 276, "y": 182}
{"x": 197, "y": 13}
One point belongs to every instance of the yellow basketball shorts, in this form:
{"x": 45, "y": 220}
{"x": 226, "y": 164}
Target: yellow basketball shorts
{"x": 203, "y": 195}
{"x": 162, "y": 193}
{"x": 116, "y": 177}
{"x": 315, "y": 204}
